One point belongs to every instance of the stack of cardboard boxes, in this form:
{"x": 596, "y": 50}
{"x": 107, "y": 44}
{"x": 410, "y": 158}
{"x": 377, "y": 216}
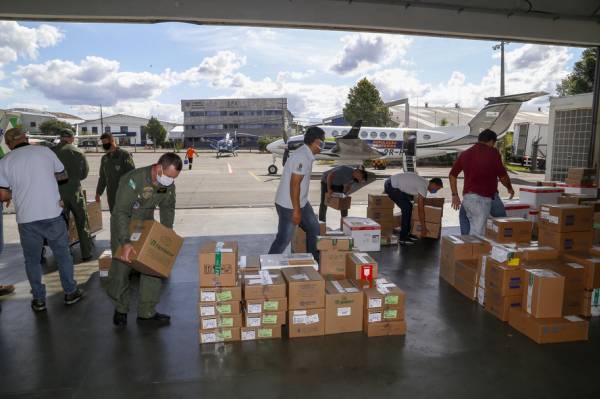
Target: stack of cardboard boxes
{"x": 380, "y": 209}
{"x": 459, "y": 248}
{"x": 384, "y": 309}
{"x": 299, "y": 239}
{"x": 333, "y": 251}
{"x": 434, "y": 208}
{"x": 264, "y": 305}
{"x": 566, "y": 227}
{"x": 581, "y": 181}
{"x": 220, "y": 299}
{"x": 306, "y": 302}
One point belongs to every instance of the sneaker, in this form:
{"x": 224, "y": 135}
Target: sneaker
{"x": 413, "y": 237}
{"x": 406, "y": 242}
{"x": 38, "y": 305}
{"x": 6, "y": 289}
{"x": 159, "y": 319}
{"x": 120, "y": 319}
{"x": 75, "y": 297}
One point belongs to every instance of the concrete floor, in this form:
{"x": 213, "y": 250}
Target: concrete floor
{"x": 453, "y": 348}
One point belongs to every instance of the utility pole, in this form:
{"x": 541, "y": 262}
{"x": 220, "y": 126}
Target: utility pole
{"x": 501, "y": 48}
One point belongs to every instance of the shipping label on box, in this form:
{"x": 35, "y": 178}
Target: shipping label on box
{"x": 220, "y": 321}
{"x": 219, "y": 335}
{"x": 104, "y": 262}
{"x": 306, "y": 288}
{"x": 257, "y": 306}
{"x": 221, "y": 294}
{"x": 360, "y": 266}
{"x": 306, "y": 323}
{"x": 265, "y": 332}
{"x": 156, "y": 247}
{"x": 265, "y": 284}
{"x": 219, "y": 308}
{"x": 544, "y": 293}
{"x": 383, "y": 296}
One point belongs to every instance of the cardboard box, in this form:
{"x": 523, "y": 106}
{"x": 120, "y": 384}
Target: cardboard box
{"x": 265, "y": 319}
{"x": 500, "y": 305}
{"x": 432, "y": 214}
{"x": 563, "y": 218}
{"x": 467, "y": 270}
{"x": 365, "y": 232}
{"x": 381, "y": 215}
{"x": 380, "y": 201}
{"x": 306, "y": 288}
{"x": 94, "y": 215}
{"x": 535, "y": 253}
{"x": 549, "y": 330}
{"x": 219, "y": 308}
{"x": 574, "y": 199}
{"x": 361, "y": 266}
{"x": 266, "y": 284}
{"x": 156, "y": 247}
{"x": 466, "y": 288}
{"x": 508, "y": 230}
{"x": 299, "y": 240}
{"x": 220, "y": 335}
{"x": 220, "y": 321}
{"x": 591, "y": 302}
{"x": 258, "y": 306}
{"x": 581, "y": 173}
{"x": 265, "y": 332}
{"x": 339, "y": 201}
{"x": 343, "y": 307}
{"x": 335, "y": 243}
{"x": 385, "y": 328}
{"x": 306, "y": 323}
{"x": 507, "y": 280}
{"x": 104, "y": 262}
{"x": 218, "y": 263}
{"x": 433, "y": 229}
{"x": 454, "y": 248}
{"x": 333, "y": 264}
{"x": 565, "y": 242}
{"x": 384, "y": 296}
{"x": 221, "y": 294}
{"x": 249, "y": 264}
{"x": 282, "y": 261}
{"x": 591, "y": 265}
{"x": 543, "y": 293}
{"x": 573, "y": 272}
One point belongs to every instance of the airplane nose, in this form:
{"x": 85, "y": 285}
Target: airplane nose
{"x": 271, "y": 146}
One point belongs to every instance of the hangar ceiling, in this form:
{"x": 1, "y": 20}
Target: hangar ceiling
{"x": 572, "y": 22}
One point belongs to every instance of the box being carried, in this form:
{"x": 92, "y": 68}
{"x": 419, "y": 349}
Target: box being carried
{"x": 339, "y": 201}
{"x": 156, "y": 247}
{"x": 365, "y": 232}
{"x": 218, "y": 263}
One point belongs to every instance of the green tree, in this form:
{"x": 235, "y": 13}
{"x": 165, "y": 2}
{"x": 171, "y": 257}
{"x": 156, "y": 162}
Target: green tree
{"x": 156, "y": 132}
{"x": 364, "y": 102}
{"x": 52, "y": 126}
{"x": 444, "y": 122}
{"x": 581, "y": 80}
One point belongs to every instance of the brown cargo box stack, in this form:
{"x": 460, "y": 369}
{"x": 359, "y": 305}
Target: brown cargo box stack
{"x": 333, "y": 251}
{"x": 384, "y": 309}
{"x": 380, "y": 209}
{"x": 566, "y": 227}
{"x": 455, "y": 248}
{"x": 299, "y": 240}
{"x": 343, "y": 307}
{"x": 466, "y": 277}
{"x": 156, "y": 247}
{"x": 508, "y": 230}
{"x": 434, "y": 210}
{"x": 590, "y": 262}
{"x": 306, "y": 301}
{"x": 220, "y": 292}
{"x": 264, "y": 305}
{"x": 581, "y": 177}
{"x": 549, "y": 330}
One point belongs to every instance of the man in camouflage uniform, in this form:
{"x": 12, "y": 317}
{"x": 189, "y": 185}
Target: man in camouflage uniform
{"x": 70, "y": 191}
{"x": 114, "y": 164}
{"x": 140, "y": 192}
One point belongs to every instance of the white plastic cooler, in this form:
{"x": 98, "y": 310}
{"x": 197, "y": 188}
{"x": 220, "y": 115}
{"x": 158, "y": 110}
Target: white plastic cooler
{"x": 365, "y": 232}
{"x": 536, "y": 196}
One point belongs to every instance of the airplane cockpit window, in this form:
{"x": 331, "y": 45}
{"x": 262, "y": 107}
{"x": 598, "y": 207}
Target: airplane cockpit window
{"x": 364, "y": 135}
{"x": 335, "y": 133}
{"x": 426, "y": 137}
{"x": 393, "y": 135}
{"x": 373, "y": 135}
{"x": 383, "y": 135}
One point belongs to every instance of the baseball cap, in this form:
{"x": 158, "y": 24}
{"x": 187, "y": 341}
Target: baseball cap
{"x": 66, "y": 132}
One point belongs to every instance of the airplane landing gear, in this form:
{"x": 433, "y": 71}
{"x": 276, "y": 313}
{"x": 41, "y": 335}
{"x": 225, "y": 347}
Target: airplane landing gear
{"x": 272, "y": 169}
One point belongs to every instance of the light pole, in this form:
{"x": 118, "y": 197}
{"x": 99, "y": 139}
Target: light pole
{"x": 501, "y": 48}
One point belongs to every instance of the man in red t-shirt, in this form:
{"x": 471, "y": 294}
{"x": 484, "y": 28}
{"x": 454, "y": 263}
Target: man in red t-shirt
{"x": 482, "y": 167}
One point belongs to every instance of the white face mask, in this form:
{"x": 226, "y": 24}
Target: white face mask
{"x": 164, "y": 180}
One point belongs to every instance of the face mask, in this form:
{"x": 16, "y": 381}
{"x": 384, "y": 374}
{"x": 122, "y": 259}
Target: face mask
{"x": 433, "y": 191}
{"x": 164, "y": 180}
{"x": 106, "y": 146}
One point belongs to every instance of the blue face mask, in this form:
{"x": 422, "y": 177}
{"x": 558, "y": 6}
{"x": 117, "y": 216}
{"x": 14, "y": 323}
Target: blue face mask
{"x": 433, "y": 191}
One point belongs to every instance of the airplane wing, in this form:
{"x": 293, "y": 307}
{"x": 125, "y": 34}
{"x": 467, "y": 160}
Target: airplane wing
{"x": 352, "y": 150}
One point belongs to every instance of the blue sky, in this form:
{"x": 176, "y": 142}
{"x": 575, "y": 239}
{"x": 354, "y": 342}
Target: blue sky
{"x": 148, "y": 69}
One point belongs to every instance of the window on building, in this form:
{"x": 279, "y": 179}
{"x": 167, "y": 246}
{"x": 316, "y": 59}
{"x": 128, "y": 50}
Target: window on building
{"x": 123, "y": 129}
{"x": 217, "y": 127}
{"x": 196, "y": 113}
{"x": 233, "y": 113}
{"x": 32, "y": 124}
{"x": 270, "y": 112}
{"x": 212, "y": 113}
{"x": 223, "y": 113}
{"x": 106, "y": 129}
{"x": 84, "y": 129}
{"x": 94, "y": 129}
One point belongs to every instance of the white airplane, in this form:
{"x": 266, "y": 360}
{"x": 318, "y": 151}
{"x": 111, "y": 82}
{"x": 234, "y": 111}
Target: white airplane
{"x": 355, "y": 144}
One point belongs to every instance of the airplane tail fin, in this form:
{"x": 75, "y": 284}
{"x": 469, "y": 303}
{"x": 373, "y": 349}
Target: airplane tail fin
{"x": 353, "y": 133}
{"x": 499, "y": 112}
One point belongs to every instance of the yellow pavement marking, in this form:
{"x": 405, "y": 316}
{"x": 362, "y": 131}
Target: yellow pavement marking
{"x": 255, "y": 177}
{"x": 82, "y": 273}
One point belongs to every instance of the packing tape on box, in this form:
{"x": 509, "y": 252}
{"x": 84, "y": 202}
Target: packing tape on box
{"x": 338, "y": 287}
{"x": 301, "y": 276}
{"x": 242, "y": 262}
{"x": 482, "y": 273}
{"x": 529, "y": 292}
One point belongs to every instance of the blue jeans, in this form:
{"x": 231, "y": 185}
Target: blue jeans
{"x": 1, "y": 228}
{"x": 497, "y": 211}
{"x": 477, "y": 209}
{"x": 286, "y": 228}
{"x": 404, "y": 202}
{"x": 32, "y": 241}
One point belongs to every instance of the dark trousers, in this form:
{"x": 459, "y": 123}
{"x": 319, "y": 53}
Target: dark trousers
{"x": 323, "y": 205}
{"x": 404, "y": 202}
{"x": 190, "y": 160}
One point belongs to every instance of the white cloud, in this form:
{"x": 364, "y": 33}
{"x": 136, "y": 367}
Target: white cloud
{"x": 26, "y": 41}
{"x": 214, "y": 69}
{"x": 95, "y": 80}
{"x": 365, "y": 51}
{"x": 397, "y": 83}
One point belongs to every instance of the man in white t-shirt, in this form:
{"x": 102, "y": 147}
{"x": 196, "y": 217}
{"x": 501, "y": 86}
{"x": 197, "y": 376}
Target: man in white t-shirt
{"x": 291, "y": 200}
{"x": 28, "y": 176}
{"x": 402, "y": 188}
